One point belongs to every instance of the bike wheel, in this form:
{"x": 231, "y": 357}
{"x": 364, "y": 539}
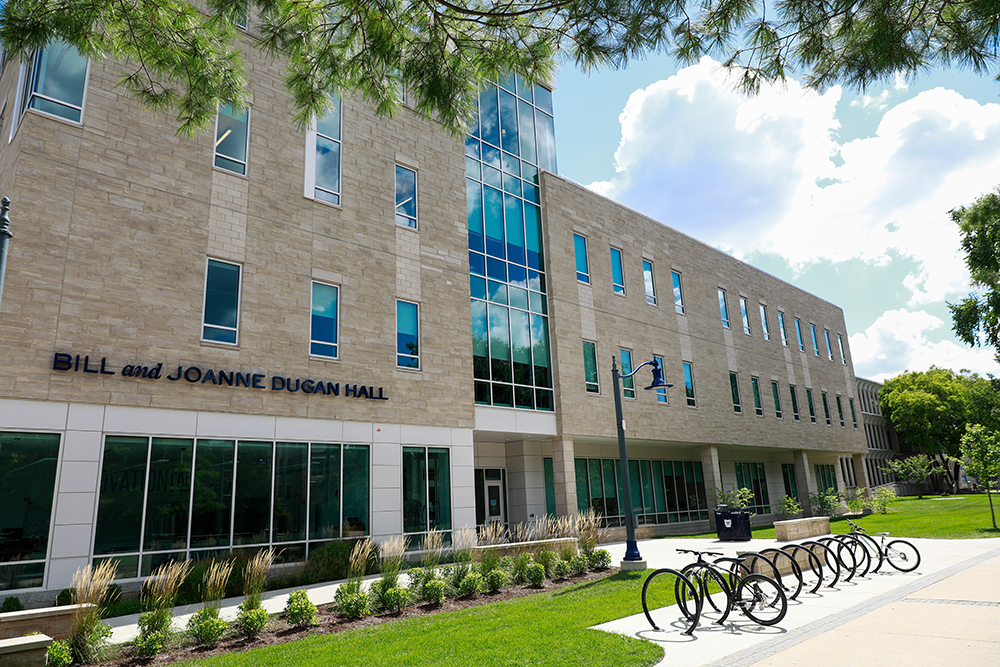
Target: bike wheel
{"x": 703, "y": 576}
{"x": 861, "y": 555}
{"x": 794, "y": 587}
{"x": 874, "y": 550}
{"x": 761, "y": 599}
{"x": 670, "y": 578}
{"x": 902, "y": 555}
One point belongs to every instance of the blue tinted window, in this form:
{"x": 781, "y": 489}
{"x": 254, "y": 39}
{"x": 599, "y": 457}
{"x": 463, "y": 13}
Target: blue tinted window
{"x": 689, "y": 384}
{"x": 627, "y": 383}
{"x": 222, "y": 302}
{"x": 723, "y": 308}
{"x": 678, "y": 296}
{"x": 406, "y": 197}
{"x": 232, "y": 131}
{"x": 582, "y": 268}
{"x": 407, "y": 335}
{"x": 324, "y": 320}
{"x": 617, "y": 273}
{"x": 647, "y": 276}
{"x": 57, "y": 81}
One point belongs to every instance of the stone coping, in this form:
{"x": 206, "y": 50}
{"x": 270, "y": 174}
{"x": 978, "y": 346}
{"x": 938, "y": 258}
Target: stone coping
{"x": 797, "y": 529}
{"x": 29, "y": 643}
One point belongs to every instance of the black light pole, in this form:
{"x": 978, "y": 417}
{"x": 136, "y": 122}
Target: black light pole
{"x": 5, "y": 236}
{"x": 631, "y": 547}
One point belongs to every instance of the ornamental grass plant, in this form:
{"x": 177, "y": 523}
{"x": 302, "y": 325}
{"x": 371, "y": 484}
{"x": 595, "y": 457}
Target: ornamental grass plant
{"x": 89, "y": 586}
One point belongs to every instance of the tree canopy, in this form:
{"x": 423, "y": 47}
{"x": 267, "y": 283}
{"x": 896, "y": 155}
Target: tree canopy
{"x": 185, "y": 59}
{"x": 976, "y": 319}
{"x": 981, "y": 455}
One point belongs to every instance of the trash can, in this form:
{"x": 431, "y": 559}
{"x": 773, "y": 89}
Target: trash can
{"x": 732, "y": 525}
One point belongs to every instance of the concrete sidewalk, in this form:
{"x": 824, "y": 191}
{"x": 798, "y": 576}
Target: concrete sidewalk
{"x": 947, "y": 611}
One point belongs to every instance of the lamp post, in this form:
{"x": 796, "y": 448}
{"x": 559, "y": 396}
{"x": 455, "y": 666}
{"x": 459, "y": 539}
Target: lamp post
{"x": 5, "y": 236}
{"x": 632, "y": 558}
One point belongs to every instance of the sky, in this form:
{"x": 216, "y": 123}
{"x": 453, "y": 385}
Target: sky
{"x": 841, "y": 193}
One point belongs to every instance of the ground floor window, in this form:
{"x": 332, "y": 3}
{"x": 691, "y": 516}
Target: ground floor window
{"x": 27, "y": 488}
{"x": 164, "y": 499}
{"x": 788, "y": 477}
{"x": 426, "y": 489}
{"x": 826, "y": 477}
{"x": 751, "y": 476}
{"x": 662, "y": 491}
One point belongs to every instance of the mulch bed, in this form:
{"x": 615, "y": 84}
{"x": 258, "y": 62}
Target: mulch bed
{"x": 278, "y": 631}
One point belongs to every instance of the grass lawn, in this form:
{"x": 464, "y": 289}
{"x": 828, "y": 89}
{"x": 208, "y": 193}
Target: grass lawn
{"x": 543, "y": 629}
{"x": 951, "y": 517}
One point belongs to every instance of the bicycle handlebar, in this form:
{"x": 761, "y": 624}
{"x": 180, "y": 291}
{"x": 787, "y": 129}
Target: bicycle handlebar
{"x": 858, "y": 528}
{"x": 699, "y": 553}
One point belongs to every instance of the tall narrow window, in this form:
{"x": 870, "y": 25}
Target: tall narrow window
{"x": 323, "y": 156}
{"x": 661, "y": 393}
{"x": 840, "y": 411}
{"x": 325, "y": 315}
{"x": 220, "y": 320}
{"x": 781, "y": 328}
{"x": 826, "y": 477}
{"x": 647, "y": 276}
{"x": 764, "y": 326}
{"x": 826, "y": 410}
{"x": 678, "y": 295}
{"x": 407, "y": 335}
{"x": 723, "y": 308}
{"x": 426, "y": 489}
{"x": 232, "y": 130}
{"x": 788, "y": 477}
{"x": 854, "y": 415}
{"x": 56, "y": 82}
{"x": 406, "y": 197}
{"x": 777, "y": 399}
{"x": 795, "y": 401}
{"x": 829, "y": 348}
{"x": 689, "y": 384}
{"x": 617, "y": 273}
{"x": 751, "y": 476}
{"x": 757, "y": 405}
{"x": 798, "y": 335}
{"x": 840, "y": 344}
{"x": 628, "y": 386}
{"x": 812, "y": 330}
{"x": 590, "y": 367}
{"x": 735, "y": 386}
{"x": 582, "y": 264}
{"x": 812, "y": 407}
{"x": 745, "y": 314}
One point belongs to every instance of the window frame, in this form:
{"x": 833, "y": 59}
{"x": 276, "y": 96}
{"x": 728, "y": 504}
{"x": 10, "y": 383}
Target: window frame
{"x": 764, "y": 326}
{"x": 649, "y": 280}
{"x": 416, "y": 357}
{"x": 313, "y": 135}
{"x": 661, "y": 392}
{"x": 795, "y": 402}
{"x": 25, "y": 93}
{"x": 798, "y": 335}
{"x": 811, "y": 404}
{"x": 826, "y": 409}
{"x": 596, "y": 384}
{"x": 245, "y": 161}
{"x": 239, "y": 305}
{"x": 580, "y": 242}
{"x": 781, "y": 329}
{"x": 776, "y": 394}
{"x": 427, "y": 487}
{"x": 843, "y": 354}
{"x": 628, "y": 384}
{"x": 724, "y": 308}
{"x": 407, "y": 222}
{"x": 734, "y": 386}
{"x": 618, "y": 288}
{"x": 829, "y": 347}
{"x": 745, "y": 315}
{"x": 689, "y": 390}
{"x": 815, "y": 340}
{"x": 675, "y": 279}
{"x": 758, "y": 404}
{"x": 336, "y": 326}
{"x": 854, "y": 415}
{"x": 840, "y": 411}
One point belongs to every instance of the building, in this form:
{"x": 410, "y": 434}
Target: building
{"x": 883, "y": 443}
{"x": 264, "y": 337}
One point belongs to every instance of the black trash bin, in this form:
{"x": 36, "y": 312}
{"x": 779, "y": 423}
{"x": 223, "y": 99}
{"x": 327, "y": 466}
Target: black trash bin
{"x": 732, "y": 525}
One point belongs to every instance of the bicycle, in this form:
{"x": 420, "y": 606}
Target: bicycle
{"x": 758, "y": 597}
{"x": 899, "y": 553}
{"x": 686, "y": 585}
{"x": 703, "y": 574}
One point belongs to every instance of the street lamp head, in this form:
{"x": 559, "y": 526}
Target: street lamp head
{"x": 658, "y": 382}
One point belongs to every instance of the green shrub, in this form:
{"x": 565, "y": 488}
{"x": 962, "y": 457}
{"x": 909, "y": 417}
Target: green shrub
{"x": 433, "y": 591}
{"x": 150, "y": 645}
{"x": 353, "y": 605}
{"x": 88, "y": 640}
{"x": 519, "y": 573}
{"x": 490, "y": 561}
{"x": 494, "y": 580}
{"x": 561, "y": 569}
{"x": 13, "y": 603}
{"x": 329, "y": 562}
{"x": 64, "y": 598}
{"x": 787, "y": 507}
{"x": 206, "y": 627}
{"x": 578, "y": 564}
{"x": 506, "y": 563}
{"x": 535, "y": 574}
{"x": 880, "y": 501}
{"x": 567, "y": 551}
{"x": 825, "y": 503}
{"x": 58, "y": 655}
{"x": 471, "y": 584}
{"x": 154, "y": 632}
{"x": 395, "y": 599}
{"x": 251, "y": 619}
{"x": 300, "y": 611}
{"x": 157, "y": 620}
{"x": 600, "y": 559}
{"x": 418, "y": 577}
{"x": 548, "y": 559}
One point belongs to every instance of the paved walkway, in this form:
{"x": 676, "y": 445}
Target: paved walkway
{"x": 946, "y": 612}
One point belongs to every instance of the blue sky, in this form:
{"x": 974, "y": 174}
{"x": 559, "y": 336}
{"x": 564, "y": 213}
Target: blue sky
{"x": 844, "y": 194}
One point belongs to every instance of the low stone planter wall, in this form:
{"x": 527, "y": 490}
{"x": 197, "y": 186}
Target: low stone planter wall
{"x": 514, "y": 548}
{"x": 800, "y": 529}
{"x": 644, "y": 532}
{"x": 24, "y": 651}
{"x": 56, "y": 622}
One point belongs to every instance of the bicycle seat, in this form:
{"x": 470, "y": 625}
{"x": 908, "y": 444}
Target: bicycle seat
{"x": 881, "y": 533}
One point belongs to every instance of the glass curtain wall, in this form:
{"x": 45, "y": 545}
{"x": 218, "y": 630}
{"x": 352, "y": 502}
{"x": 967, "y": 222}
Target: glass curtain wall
{"x": 662, "y": 491}
{"x": 164, "y": 499}
{"x": 426, "y": 490}
{"x": 27, "y": 488}
{"x": 751, "y": 476}
{"x": 512, "y": 139}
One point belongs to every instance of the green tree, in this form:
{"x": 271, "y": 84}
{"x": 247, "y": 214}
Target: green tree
{"x": 916, "y": 469}
{"x": 930, "y": 410}
{"x": 981, "y": 456}
{"x": 976, "y": 319}
{"x": 186, "y": 59}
